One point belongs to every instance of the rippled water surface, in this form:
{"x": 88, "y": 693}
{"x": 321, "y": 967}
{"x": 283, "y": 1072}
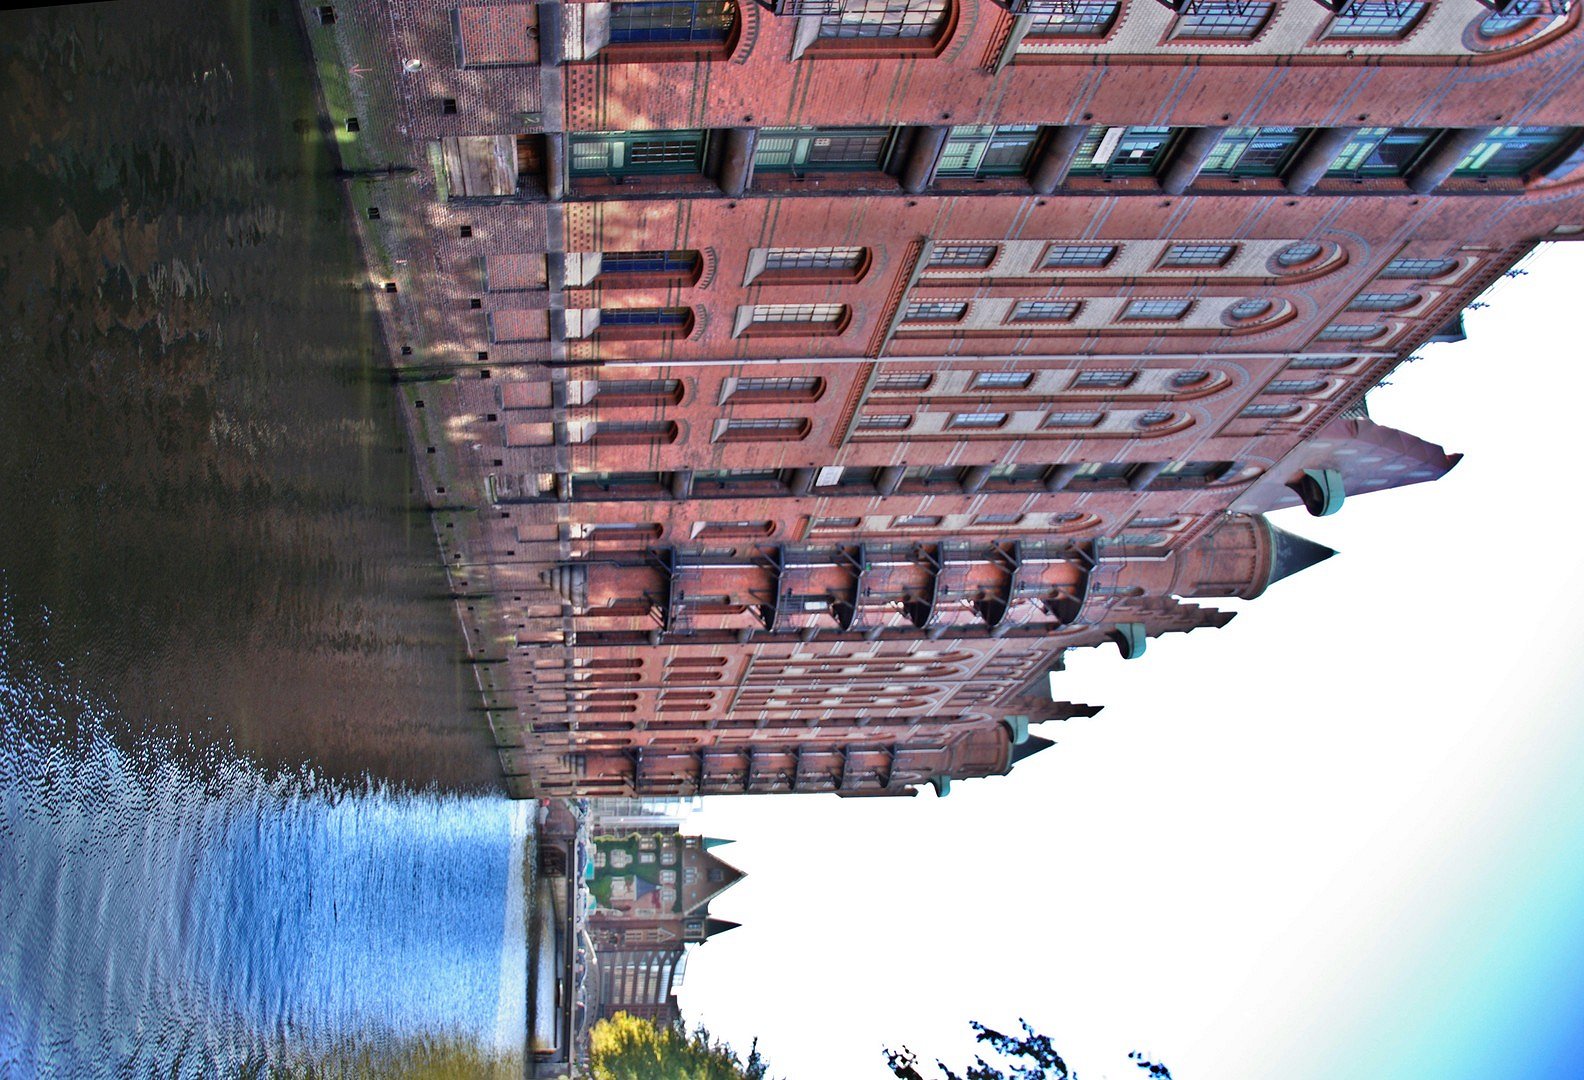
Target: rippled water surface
{"x": 246, "y": 810}
{"x": 207, "y": 499}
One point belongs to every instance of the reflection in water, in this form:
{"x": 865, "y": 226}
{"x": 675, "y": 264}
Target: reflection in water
{"x": 171, "y": 920}
{"x": 209, "y": 509}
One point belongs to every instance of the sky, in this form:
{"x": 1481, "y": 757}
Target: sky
{"x": 1339, "y": 838}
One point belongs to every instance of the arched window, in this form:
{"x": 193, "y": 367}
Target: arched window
{"x": 1351, "y": 332}
{"x": 1270, "y": 411}
{"x": 1384, "y": 301}
{"x": 1076, "y": 19}
{"x": 1249, "y": 309}
{"x": 1298, "y": 254}
{"x": 896, "y": 19}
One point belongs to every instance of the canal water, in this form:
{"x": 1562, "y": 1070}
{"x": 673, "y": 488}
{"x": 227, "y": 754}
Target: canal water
{"x": 249, "y": 820}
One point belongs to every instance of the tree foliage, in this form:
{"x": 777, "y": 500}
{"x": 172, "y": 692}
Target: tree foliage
{"x": 1029, "y": 1056}
{"x": 627, "y": 1047}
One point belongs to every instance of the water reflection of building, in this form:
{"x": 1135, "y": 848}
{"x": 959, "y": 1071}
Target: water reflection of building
{"x": 649, "y": 894}
{"x": 807, "y": 379}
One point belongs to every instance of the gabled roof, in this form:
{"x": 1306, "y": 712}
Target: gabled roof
{"x": 730, "y": 876}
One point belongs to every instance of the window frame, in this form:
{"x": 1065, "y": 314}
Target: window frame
{"x": 753, "y": 320}
{"x": 668, "y": 269}
{"x": 1196, "y": 255}
{"x": 1132, "y": 314}
{"x": 700, "y": 36}
{"x": 1421, "y": 269}
{"x": 805, "y": 141}
{"x": 981, "y": 142}
{"x": 1005, "y": 381}
{"x": 775, "y": 389}
{"x": 941, "y": 256}
{"x": 910, "y": 309}
{"x": 929, "y": 41}
{"x": 853, "y": 264}
{"x": 1069, "y": 310}
{"x": 762, "y": 429}
{"x": 923, "y": 387}
{"x": 1224, "y": 23}
{"x": 1086, "y": 27}
{"x": 1348, "y": 27}
{"x": 1364, "y": 148}
{"x": 1539, "y": 149}
{"x": 644, "y": 322}
{"x": 977, "y": 421}
{"x": 1095, "y": 141}
{"x": 1105, "y": 255}
{"x": 1269, "y": 150}
{"x": 1103, "y": 379}
{"x": 626, "y": 141}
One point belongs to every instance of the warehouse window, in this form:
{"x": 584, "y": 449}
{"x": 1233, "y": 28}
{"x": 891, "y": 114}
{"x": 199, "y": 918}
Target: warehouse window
{"x": 637, "y": 391}
{"x": 786, "y": 264}
{"x": 618, "y": 154}
{"x": 901, "y": 382}
{"x": 812, "y": 150}
{"x": 884, "y": 19}
{"x": 1078, "y": 18}
{"x": 935, "y": 311}
{"x": 1351, "y": 332}
{"x": 988, "y": 150}
{"x": 825, "y": 258}
{"x": 645, "y": 322}
{"x": 1375, "y": 19}
{"x": 1045, "y": 310}
{"x": 1384, "y": 301}
{"x": 1180, "y": 256}
{"x": 631, "y": 269}
{"x": 623, "y": 433}
{"x": 1420, "y": 269}
{"x": 1078, "y": 256}
{"x": 884, "y": 422}
{"x": 672, "y": 22}
{"x": 962, "y": 256}
{"x": 775, "y": 429}
{"x": 1074, "y": 419}
{"x": 1298, "y": 254}
{"x": 1512, "y": 151}
{"x": 1107, "y": 378}
{"x": 778, "y": 389}
{"x": 1253, "y": 151}
{"x": 978, "y": 419}
{"x": 1381, "y": 151}
{"x": 1247, "y": 310}
{"x": 1121, "y": 151}
{"x": 1270, "y": 411}
{"x": 1002, "y": 380}
{"x": 793, "y": 318}
{"x": 1161, "y": 309}
{"x": 1236, "y": 21}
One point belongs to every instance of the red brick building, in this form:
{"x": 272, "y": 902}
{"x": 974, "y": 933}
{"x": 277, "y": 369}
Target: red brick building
{"x": 795, "y": 383}
{"x": 652, "y": 890}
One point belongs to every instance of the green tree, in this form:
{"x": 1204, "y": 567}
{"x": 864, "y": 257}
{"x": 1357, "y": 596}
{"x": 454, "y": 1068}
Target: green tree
{"x": 630, "y": 1048}
{"x": 1029, "y": 1056}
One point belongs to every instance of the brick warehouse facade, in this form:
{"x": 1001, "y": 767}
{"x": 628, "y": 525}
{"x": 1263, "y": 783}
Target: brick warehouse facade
{"x": 792, "y": 386}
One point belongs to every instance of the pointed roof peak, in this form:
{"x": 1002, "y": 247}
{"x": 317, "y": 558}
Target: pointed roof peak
{"x": 1291, "y": 553}
{"x": 1029, "y": 747}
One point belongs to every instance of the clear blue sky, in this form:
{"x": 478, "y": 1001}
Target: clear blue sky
{"x": 1341, "y": 837}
